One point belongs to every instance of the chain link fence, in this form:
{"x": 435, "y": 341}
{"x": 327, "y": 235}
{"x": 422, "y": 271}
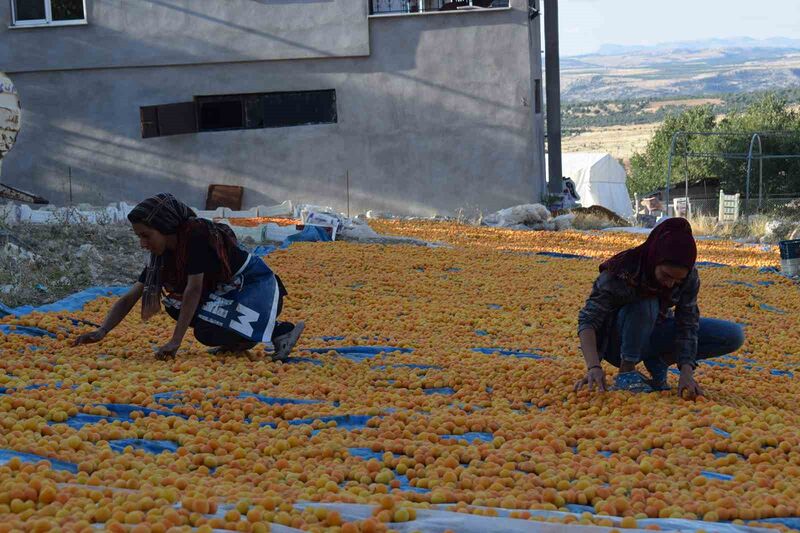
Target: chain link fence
{"x": 709, "y": 205}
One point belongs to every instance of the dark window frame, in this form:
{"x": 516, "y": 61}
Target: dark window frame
{"x": 202, "y": 101}
{"x": 268, "y": 110}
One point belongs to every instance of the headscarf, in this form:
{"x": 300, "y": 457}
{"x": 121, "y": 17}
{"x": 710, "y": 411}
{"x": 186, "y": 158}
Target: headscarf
{"x": 670, "y": 242}
{"x": 169, "y": 216}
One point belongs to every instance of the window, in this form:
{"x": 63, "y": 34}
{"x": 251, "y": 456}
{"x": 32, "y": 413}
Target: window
{"x": 41, "y": 12}
{"x": 240, "y": 112}
{"x": 388, "y": 7}
{"x": 220, "y": 113}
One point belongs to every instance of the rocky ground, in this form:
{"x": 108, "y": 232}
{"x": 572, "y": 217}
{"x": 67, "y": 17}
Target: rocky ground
{"x": 43, "y": 263}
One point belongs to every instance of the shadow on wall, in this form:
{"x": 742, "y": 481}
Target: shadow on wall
{"x": 245, "y": 29}
{"x": 410, "y": 143}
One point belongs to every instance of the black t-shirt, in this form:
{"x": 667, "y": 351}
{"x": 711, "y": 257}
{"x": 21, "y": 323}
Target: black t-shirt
{"x": 202, "y": 259}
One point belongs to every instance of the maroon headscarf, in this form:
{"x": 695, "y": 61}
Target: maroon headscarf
{"x": 670, "y": 242}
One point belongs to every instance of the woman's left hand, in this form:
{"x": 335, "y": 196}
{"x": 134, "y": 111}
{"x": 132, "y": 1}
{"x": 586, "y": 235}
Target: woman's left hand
{"x": 168, "y": 351}
{"x": 687, "y": 384}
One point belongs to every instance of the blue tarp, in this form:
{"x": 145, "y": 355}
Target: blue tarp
{"x": 472, "y": 436}
{"x": 25, "y": 330}
{"x": 720, "y": 432}
{"x": 125, "y": 410}
{"x": 7, "y": 455}
{"x": 271, "y": 400}
{"x": 308, "y": 234}
{"x": 412, "y": 366}
{"x": 440, "y": 390}
{"x": 562, "y": 256}
{"x": 74, "y": 302}
{"x": 154, "y": 447}
{"x": 262, "y": 250}
{"x": 359, "y": 353}
{"x": 82, "y": 419}
{"x": 508, "y": 353}
{"x": 715, "y": 475}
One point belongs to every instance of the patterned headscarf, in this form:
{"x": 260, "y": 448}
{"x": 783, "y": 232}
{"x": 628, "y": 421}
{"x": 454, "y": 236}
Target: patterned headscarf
{"x": 166, "y": 214}
{"x": 670, "y": 242}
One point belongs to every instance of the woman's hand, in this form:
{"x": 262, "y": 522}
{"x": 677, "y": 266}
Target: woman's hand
{"x": 596, "y": 376}
{"x": 91, "y": 337}
{"x": 168, "y": 351}
{"x": 687, "y": 384}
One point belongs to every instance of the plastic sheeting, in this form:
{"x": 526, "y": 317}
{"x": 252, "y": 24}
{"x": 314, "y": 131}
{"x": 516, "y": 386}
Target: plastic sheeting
{"x": 74, "y": 302}
{"x": 359, "y": 353}
{"x": 7, "y": 455}
{"x": 154, "y": 447}
{"x": 440, "y": 519}
{"x": 25, "y": 330}
{"x": 509, "y": 353}
{"x": 559, "y": 255}
{"x": 271, "y": 400}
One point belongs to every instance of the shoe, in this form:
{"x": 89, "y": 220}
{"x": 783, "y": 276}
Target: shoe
{"x": 658, "y": 369}
{"x": 285, "y": 343}
{"x": 632, "y": 382}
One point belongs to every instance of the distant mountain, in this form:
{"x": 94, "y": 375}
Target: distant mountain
{"x": 703, "y": 44}
{"x": 682, "y": 69}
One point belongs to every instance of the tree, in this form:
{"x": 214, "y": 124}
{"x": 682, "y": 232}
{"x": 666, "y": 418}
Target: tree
{"x": 649, "y": 169}
{"x": 768, "y": 114}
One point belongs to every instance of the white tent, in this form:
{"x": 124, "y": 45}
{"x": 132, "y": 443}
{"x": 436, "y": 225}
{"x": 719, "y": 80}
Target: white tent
{"x": 599, "y": 179}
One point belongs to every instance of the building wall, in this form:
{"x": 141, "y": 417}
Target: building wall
{"x": 438, "y": 117}
{"x": 124, "y": 33}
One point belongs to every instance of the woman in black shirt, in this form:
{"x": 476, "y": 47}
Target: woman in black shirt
{"x": 205, "y": 281}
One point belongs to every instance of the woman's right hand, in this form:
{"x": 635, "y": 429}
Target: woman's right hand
{"x": 90, "y": 338}
{"x": 596, "y": 376}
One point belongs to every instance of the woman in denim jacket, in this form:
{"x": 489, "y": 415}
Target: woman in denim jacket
{"x": 629, "y": 316}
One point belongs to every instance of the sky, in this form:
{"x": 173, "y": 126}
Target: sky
{"x": 585, "y": 25}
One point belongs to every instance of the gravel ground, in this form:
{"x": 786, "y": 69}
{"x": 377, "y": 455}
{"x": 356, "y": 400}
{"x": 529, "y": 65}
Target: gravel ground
{"x": 42, "y": 263}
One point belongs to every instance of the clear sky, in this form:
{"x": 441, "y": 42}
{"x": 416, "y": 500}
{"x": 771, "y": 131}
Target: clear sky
{"x": 585, "y": 25}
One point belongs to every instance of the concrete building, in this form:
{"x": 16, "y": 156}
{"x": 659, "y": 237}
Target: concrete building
{"x": 427, "y": 108}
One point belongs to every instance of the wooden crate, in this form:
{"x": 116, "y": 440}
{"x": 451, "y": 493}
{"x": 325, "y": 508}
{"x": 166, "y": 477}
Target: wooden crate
{"x": 229, "y": 196}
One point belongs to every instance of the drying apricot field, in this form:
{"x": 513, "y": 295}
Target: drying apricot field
{"x": 432, "y": 391}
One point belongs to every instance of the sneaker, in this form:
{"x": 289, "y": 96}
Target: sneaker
{"x": 285, "y": 343}
{"x": 632, "y": 382}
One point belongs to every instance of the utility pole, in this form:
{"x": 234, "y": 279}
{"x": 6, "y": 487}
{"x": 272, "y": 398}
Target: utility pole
{"x": 553, "y": 91}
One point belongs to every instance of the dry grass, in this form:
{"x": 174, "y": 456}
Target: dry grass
{"x": 619, "y": 141}
{"x": 592, "y": 222}
{"x": 753, "y": 227}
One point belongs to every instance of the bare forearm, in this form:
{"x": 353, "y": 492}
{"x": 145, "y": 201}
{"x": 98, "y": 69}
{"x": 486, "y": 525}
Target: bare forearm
{"x": 118, "y": 313}
{"x": 588, "y": 339}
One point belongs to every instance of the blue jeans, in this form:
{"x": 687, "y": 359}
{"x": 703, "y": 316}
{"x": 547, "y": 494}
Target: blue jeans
{"x": 638, "y": 338}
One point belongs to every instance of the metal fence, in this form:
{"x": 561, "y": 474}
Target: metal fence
{"x": 709, "y": 205}
{"x": 388, "y": 7}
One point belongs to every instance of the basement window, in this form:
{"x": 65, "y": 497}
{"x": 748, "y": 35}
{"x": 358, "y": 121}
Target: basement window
{"x": 240, "y": 112}
{"x": 47, "y": 12}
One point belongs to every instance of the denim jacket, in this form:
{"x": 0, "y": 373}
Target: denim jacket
{"x": 610, "y": 293}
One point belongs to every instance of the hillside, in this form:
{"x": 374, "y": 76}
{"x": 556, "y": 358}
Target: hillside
{"x": 681, "y": 70}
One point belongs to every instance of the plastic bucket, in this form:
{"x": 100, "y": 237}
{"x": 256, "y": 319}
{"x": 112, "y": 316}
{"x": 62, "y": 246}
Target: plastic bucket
{"x": 790, "y": 257}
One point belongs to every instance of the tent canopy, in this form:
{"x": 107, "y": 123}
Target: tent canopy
{"x": 599, "y": 179}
